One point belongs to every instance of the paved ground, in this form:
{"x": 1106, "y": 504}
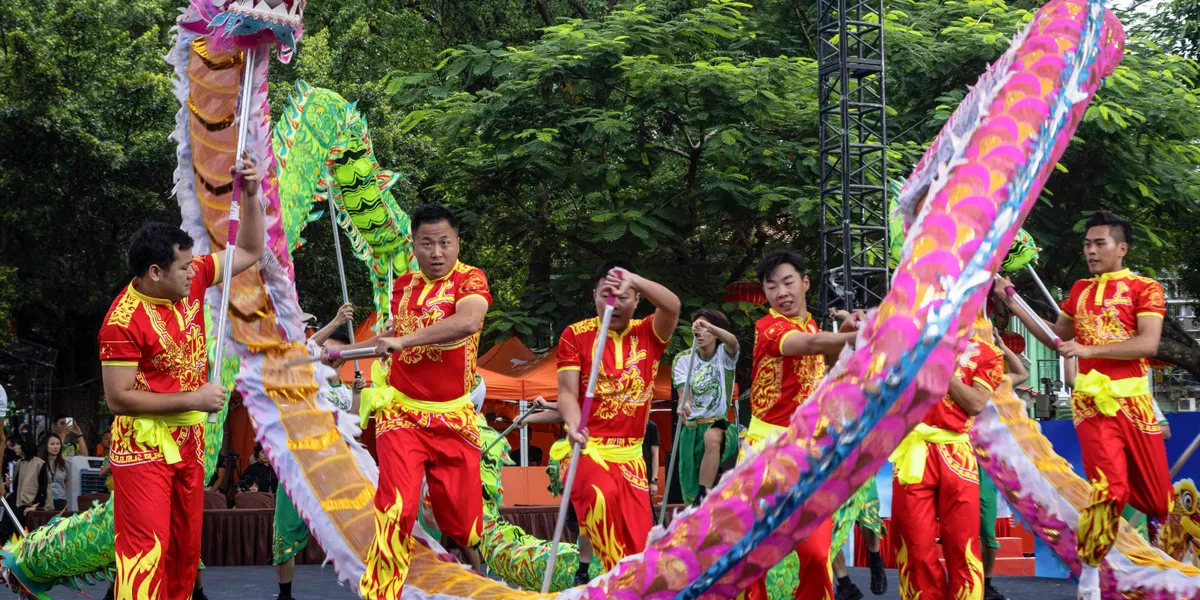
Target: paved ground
{"x": 315, "y": 583}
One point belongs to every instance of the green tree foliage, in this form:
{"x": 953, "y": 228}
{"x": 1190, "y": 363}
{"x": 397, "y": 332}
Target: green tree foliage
{"x": 686, "y": 142}
{"x": 85, "y": 109}
{"x": 676, "y": 134}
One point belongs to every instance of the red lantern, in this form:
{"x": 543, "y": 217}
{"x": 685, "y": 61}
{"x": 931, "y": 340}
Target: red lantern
{"x": 745, "y": 291}
{"x": 1014, "y": 341}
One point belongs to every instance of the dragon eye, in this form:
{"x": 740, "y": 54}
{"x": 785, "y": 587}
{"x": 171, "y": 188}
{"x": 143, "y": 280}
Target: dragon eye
{"x": 1187, "y": 500}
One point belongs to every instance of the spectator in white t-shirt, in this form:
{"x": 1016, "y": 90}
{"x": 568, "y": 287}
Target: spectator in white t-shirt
{"x": 715, "y": 353}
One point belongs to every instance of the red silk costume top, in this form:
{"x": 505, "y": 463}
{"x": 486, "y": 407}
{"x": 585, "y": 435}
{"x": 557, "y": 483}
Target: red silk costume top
{"x": 625, "y": 385}
{"x": 1105, "y": 310}
{"x": 435, "y": 372}
{"x": 164, "y": 341}
{"x": 780, "y": 384}
{"x": 979, "y": 363}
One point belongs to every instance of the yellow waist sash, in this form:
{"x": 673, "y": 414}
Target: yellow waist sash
{"x": 760, "y": 430}
{"x": 155, "y": 431}
{"x": 600, "y": 453}
{"x": 1106, "y": 390}
{"x": 384, "y": 395}
{"x": 696, "y": 422}
{"x": 909, "y": 457}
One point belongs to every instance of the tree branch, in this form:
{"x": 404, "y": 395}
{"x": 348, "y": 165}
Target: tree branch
{"x": 1179, "y": 354}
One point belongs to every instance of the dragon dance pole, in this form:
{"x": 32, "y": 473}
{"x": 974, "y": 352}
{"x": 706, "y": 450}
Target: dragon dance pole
{"x": 13, "y": 516}
{"x": 662, "y": 511}
{"x": 1012, "y": 293}
{"x": 247, "y": 92}
{"x": 337, "y": 248}
{"x": 585, "y": 410}
{"x": 515, "y": 424}
{"x": 1045, "y": 292}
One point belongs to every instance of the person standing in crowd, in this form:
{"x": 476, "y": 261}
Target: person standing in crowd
{"x": 715, "y": 354}
{"x": 30, "y": 483}
{"x": 51, "y": 454}
{"x": 650, "y": 454}
{"x": 73, "y": 442}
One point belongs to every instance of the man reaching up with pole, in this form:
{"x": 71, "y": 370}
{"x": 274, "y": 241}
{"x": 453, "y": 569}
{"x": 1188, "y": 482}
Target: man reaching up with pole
{"x": 155, "y": 368}
{"x": 612, "y": 497}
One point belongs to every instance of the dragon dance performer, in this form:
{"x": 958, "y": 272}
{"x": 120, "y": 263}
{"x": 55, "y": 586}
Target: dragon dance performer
{"x": 704, "y": 433}
{"x": 988, "y": 502}
{"x": 935, "y": 489}
{"x": 790, "y": 351}
{"x": 871, "y": 527}
{"x": 291, "y": 533}
{"x": 425, "y": 423}
{"x": 155, "y": 370}
{"x": 1111, "y": 323}
{"x": 612, "y": 495}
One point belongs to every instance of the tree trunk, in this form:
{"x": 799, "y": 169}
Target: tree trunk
{"x": 1178, "y": 348}
{"x": 581, "y": 11}
{"x": 544, "y": 10}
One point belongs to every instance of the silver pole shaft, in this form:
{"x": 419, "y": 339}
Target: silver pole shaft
{"x": 246, "y": 94}
{"x": 13, "y": 516}
{"x": 687, "y": 389}
{"x": 508, "y": 430}
{"x": 597, "y": 356}
{"x": 1046, "y": 292}
{"x": 337, "y": 248}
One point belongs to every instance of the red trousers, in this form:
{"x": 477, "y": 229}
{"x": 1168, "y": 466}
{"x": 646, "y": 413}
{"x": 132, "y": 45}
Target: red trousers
{"x": 944, "y": 503}
{"x": 157, "y": 515}
{"x": 613, "y": 504}
{"x": 816, "y": 582}
{"x": 443, "y": 450}
{"x": 1126, "y": 462}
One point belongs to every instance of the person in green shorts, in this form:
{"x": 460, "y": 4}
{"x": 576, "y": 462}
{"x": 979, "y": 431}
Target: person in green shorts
{"x": 291, "y": 533}
{"x": 715, "y": 354}
{"x": 988, "y": 502}
{"x": 861, "y": 509}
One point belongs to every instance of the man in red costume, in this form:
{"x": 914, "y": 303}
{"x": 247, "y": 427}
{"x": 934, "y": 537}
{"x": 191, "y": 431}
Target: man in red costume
{"x": 155, "y": 368}
{"x": 424, "y": 420}
{"x": 1111, "y": 323}
{"x": 611, "y": 492}
{"x": 790, "y": 351}
{"x": 935, "y": 485}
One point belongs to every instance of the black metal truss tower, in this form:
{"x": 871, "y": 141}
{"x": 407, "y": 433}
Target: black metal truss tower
{"x": 853, "y": 140}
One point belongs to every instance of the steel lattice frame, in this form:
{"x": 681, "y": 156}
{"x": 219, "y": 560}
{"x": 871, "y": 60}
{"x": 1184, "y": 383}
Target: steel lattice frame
{"x": 853, "y": 143}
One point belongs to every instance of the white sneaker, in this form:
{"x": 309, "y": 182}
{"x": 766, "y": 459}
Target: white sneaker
{"x": 1089, "y": 583}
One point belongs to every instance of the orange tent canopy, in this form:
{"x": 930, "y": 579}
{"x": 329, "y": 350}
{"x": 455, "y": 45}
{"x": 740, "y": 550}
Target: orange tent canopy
{"x": 510, "y": 355}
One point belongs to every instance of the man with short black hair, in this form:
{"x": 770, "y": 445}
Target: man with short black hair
{"x": 702, "y": 439}
{"x": 1111, "y": 323}
{"x": 790, "y": 353}
{"x": 425, "y": 426}
{"x": 155, "y": 369}
{"x": 611, "y": 494}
